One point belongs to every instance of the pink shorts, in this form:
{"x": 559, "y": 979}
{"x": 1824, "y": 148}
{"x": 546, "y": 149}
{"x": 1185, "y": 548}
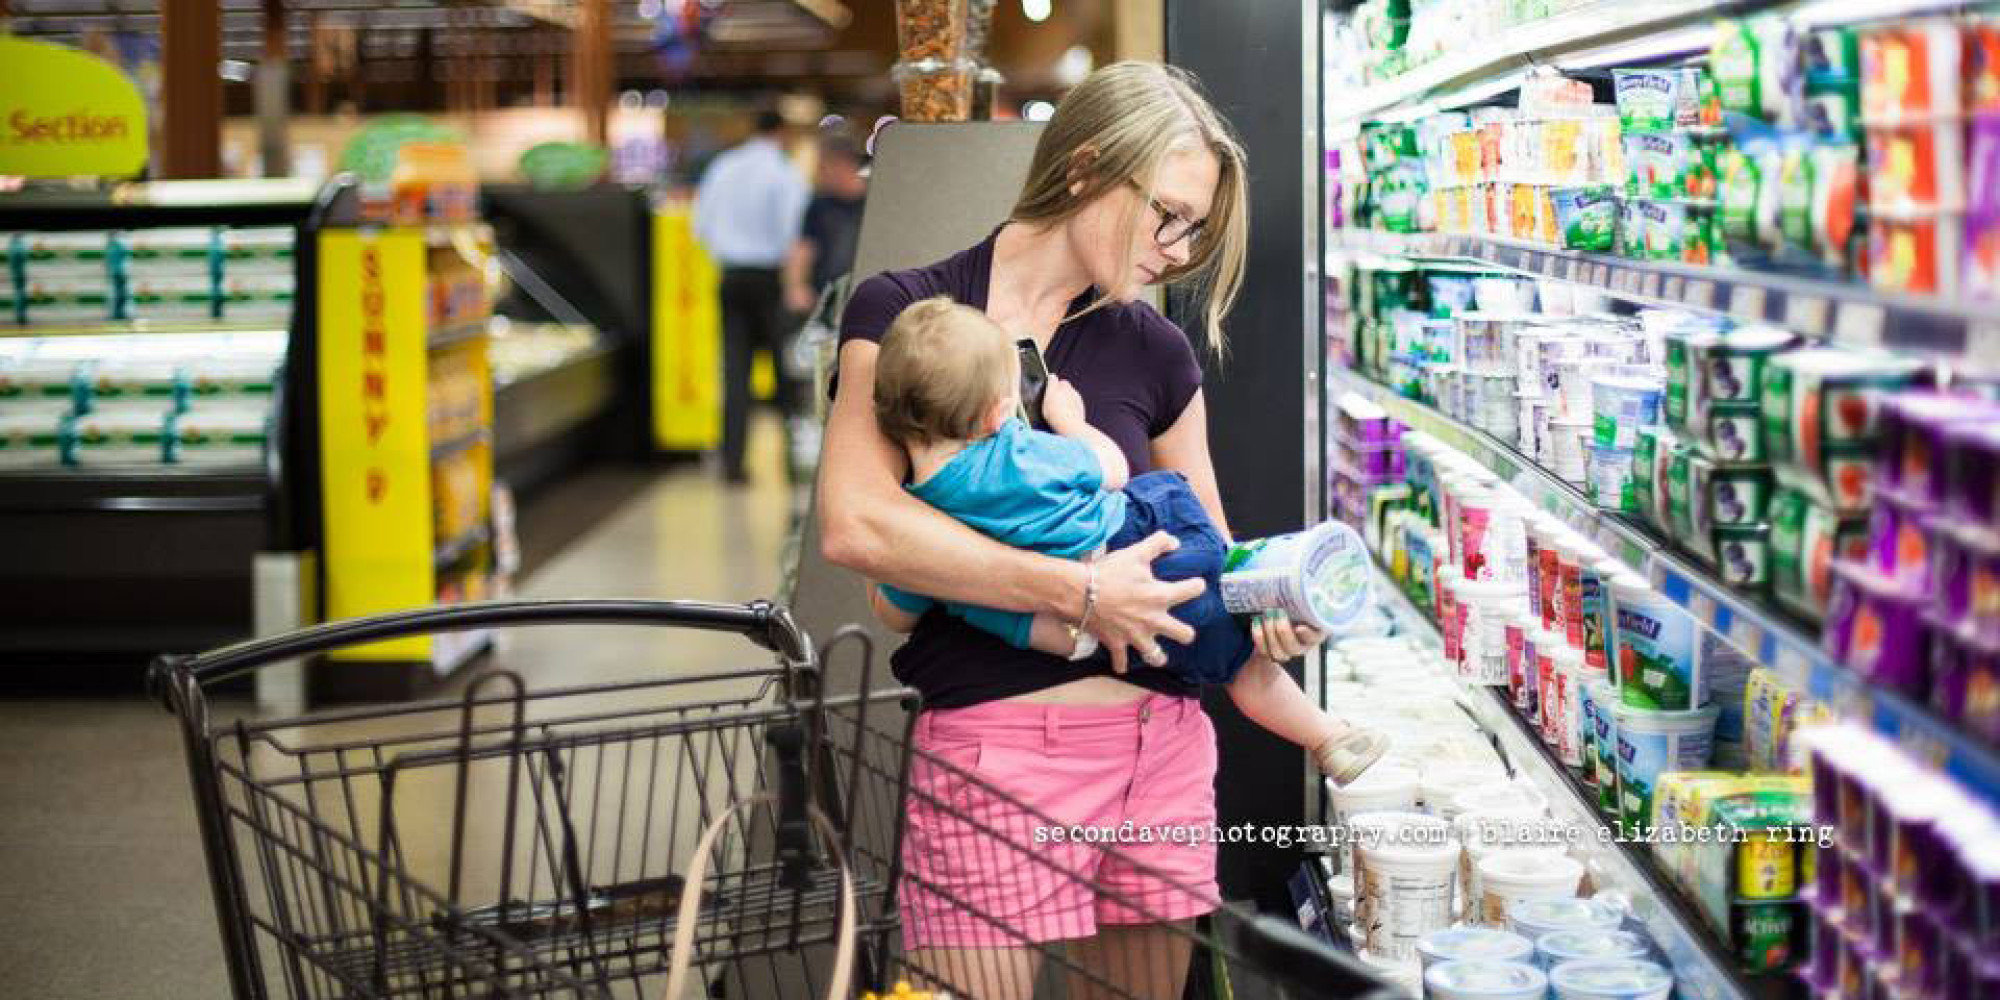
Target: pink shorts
{"x": 1119, "y": 807}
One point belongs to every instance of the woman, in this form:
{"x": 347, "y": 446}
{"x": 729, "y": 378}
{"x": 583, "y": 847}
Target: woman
{"x": 1135, "y": 181}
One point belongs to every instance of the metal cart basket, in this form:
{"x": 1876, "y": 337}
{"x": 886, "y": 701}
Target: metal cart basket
{"x": 555, "y": 843}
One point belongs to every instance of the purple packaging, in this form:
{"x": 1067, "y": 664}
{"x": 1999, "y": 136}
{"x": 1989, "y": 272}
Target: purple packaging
{"x": 1370, "y": 459}
{"x": 1917, "y": 962}
{"x": 1982, "y": 209}
{"x": 1822, "y": 970}
{"x": 1899, "y": 546}
{"x": 1972, "y": 460}
{"x": 1913, "y": 426}
{"x": 1966, "y": 687}
{"x": 1358, "y": 420}
{"x": 1875, "y": 628}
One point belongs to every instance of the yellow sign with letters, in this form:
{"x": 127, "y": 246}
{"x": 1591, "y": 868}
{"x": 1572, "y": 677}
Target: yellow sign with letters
{"x": 66, "y": 113}
{"x": 374, "y": 440}
{"x": 687, "y": 338}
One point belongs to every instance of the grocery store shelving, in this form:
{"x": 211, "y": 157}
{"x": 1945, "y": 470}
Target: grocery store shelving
{"x": 1605, "y": 33}
{"x": 1767, "y": 636}
{"x": 1702, "y": 970}
{"x": 459, "y": 333}
{"x": 1849, "y": 314}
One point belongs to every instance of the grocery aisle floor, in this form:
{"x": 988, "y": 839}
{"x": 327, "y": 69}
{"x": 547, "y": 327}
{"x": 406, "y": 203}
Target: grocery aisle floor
{"x": 103, "y": 893}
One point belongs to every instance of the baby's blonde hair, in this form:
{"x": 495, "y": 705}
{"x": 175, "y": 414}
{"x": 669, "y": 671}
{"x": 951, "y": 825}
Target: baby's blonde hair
{"x": 942, "y": 367}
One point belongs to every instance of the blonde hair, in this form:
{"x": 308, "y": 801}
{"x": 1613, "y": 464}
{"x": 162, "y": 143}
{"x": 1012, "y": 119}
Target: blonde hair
{"x": 1120, "y": 124}
{"x": 941, "y": 368}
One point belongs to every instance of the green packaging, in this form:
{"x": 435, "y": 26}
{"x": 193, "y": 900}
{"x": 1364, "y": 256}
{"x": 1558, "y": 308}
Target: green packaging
{"x": 1736, "y": 196}
{"x": 1743, "y": 555}
{"x": 1733, "y": 60}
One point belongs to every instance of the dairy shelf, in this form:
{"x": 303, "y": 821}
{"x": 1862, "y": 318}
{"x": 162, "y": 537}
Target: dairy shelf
{"x": 1849, "y": 314}
{"x": 1602, "y": 34}
{"x": 1702, "y": 969}
{"x": 1761, "y": 633}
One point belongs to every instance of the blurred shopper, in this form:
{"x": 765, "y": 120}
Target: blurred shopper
{"x": 748, "y": 212}
{"x": 823, "y": 254}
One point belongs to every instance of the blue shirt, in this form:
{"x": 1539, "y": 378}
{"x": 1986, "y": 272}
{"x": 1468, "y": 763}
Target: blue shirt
{"x": 750, "y": 205}
{"x": 1030, "y": 490}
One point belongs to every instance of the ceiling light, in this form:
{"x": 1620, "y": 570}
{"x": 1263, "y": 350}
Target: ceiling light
{"x": 1037, "y": 10}
{"x": 1038, "y": 111}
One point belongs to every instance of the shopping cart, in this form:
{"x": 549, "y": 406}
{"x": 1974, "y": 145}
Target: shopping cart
{"x": 737, "y": 831}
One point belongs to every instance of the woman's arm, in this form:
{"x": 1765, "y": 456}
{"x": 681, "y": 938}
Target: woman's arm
{"x": 870, "y": 524}
{"x": 1184, "y": 449}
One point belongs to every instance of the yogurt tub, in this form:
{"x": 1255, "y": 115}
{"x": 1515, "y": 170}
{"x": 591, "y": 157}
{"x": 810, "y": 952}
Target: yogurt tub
{"x": 1522, "y": 671}
{"x": 1382, "y": 788}
{"x": 1509, "y": 296}
{"x": 1622, "y": 406}
{"x": 1806, "y": 539}
{"x": 1558, "y": 667}
{"x": 1481, "y": 944}
{"x": 1557, "y": 947}
{"x": 1557, "y": 298}
{"x": 1507, "y": 878}
{"x": 1875, "y": 627}
{"x": 1650, "y": 744}
{"x": 1611, "y": 979}
{"x": 1441, "y": 784}
{"x": 1570, "y": 676}
{"x": 1733, "y": 433}
{"x": 1685, "y": 395}
{"x": 1566, "y": 450}
{"x": 1586, "y": 710}
{"x": 1481, "y": 980}
{"x": 1531, "y": 419}
{"x": 1912, "y": 440}
{"x": 1657, "y": 663}
{"x": 1900, "y": 542}
{"x": 1595, "y": 607}
{"x": 1534, "y": 918}
{"x": 1608, "y": 475}
{"x": 1743, "y": 555}
{"x": 1405, "y": 866}
{"x": 1486, "y": 607}
{"x": 1967, "y": 673}
{"x": 1972, "y": 470}
{"x": 1822, "y": 413}
{"x": 1737, "y": 496}
{"x": 1600, "y": 711}
{"x": 1321, "y": 576}
{"x": 1732, "y": 367}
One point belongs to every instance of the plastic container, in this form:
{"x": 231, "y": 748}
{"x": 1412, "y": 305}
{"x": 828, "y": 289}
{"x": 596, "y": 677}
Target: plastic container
{"x": 1622, "y": 406}
{"x": 1442, "y": 783}
{"x": 1556, "y": 947}
{"x": 1406, "y": 864}
{"x": 1875, "y": 627}
{"x": 1534, "y": 918}
{"x": 1478, "y": 980}
{"x": 1510, "y": 877}
{"x": 1609, "y": 481}
{"x": 1321, "y": 576}
{"x": 1610, "y": 979}
{"x": 1487, "y": 607}
{"x": 1567, "y": 455}
{"x": 1507, "y": 296}
{"x": 1652, "y": 743}
{"x": 1657, "y": 664}
{"x": 1599, "y": 622}
{"x": 1600, "y": 712}
{"x": 1570, "y": 675}
{"x": 1478, "y": 944}
{"x": 1382, "y": 788}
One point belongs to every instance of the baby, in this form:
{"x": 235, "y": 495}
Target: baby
{"x": 947, "y": 390}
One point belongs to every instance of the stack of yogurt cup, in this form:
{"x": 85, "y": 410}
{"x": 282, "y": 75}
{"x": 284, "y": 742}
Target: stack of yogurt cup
{"x": 1573, "y": 949}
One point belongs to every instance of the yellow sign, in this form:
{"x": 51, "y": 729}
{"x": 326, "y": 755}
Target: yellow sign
{"x": 374, "y": 440}
{"x": 65, "y": 113}
{"x": 687, "y": 338}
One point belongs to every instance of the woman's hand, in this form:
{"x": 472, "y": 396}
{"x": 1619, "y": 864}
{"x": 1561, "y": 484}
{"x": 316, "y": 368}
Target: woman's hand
{"x": 1279, "y": 640}
{"x": 1134, "y": 608}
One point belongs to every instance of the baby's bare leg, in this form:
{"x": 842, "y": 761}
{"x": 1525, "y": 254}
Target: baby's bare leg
{"x": 1269, "y": 697}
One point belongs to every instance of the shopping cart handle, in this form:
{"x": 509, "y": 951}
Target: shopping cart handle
{"x": 762, "y": 622}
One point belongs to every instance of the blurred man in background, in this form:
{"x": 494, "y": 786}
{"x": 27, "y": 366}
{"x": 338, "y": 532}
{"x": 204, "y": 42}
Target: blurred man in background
{"x": 823, "y": 254}
{"x": 748, "y": 212}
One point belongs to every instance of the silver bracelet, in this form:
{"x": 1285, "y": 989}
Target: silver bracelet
{"x": 1089, "y": 599}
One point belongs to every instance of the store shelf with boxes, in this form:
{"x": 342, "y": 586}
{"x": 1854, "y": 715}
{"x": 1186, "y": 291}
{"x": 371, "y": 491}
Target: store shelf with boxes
{"x": 1660, "y": 380}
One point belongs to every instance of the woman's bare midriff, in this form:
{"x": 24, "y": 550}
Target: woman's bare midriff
{"x": 1087, "y": 691}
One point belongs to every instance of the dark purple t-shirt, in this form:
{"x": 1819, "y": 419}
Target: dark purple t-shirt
{"x": 1136, "y": 372}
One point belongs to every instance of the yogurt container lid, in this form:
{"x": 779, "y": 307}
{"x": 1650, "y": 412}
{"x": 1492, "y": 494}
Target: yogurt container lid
{"x": 1634, "y": 713}
{"x": 1611, "y": 978}
{"x": 1629, "y": 383}
{"x": 1483, "y": 943}
{"x": 1754, "y": 339}
{"x": 1527, "y": 861}
{"x": 1487, "y": 590}
{"x": 1552, "y": 914}
{"x": 1478, "y": 978}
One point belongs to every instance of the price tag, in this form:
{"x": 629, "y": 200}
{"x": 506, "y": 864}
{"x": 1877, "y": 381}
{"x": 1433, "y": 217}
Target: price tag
{"x": 1859, "y": 324}
{"x": 1600, "y": 275}
{"x": 1702, "y": 607}
{"x": 1982, "y": 343}
{"x": 1746, "y": 302}
{"x": 1806, "y": 314}
{"x": 1700, "y": 294}
{"x": 1649, "y": 285}
{"x": 1746, "y": 635}
{"x": 1672, "y": 288}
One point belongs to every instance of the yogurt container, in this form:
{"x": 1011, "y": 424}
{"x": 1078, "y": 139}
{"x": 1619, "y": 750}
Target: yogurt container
{"x": 1562, "y": 728}
{"x": 1477, "y": 944}
{"x": 1406, "y": 864}
{"x": 1320, "y": 577}
{"x": 1913, "y": 449}
{"x": 1657, "y": 666}
{"x": 1806, "y": 539}
{"x": 1508, "y": 878}
{"x": 1743, "y": 555}
{"x": 1567, "y": 454}
{"x": 1600, "y": 701}
{"x": 1732, "y": 433}
{"x": 1821, "y": 415}
{"x": 1735, "y": 496}
{"x": 1622, "y": 406}
{"x": 1732, "y": 367}
{"x": 1535, "y": 918}
{"x": 1487, "y": 606}
{"x": 1875, "y": 627}
{"x": 1609, "y": 482}
{"x": 1599, "y": 624}
{"x": 1685, "y": 396}
{"x": 1652, "y": 743}
{"x": 1483, "y": 980}
{"x": 1557, "y": 947}
{"x": 1611, "y": 979}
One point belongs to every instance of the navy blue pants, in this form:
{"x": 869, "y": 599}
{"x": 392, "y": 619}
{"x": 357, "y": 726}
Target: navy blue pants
{"x": 1163, "y": 501}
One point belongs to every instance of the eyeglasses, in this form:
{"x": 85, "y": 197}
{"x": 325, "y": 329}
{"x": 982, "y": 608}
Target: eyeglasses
{"x": 1173, "y": 227}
